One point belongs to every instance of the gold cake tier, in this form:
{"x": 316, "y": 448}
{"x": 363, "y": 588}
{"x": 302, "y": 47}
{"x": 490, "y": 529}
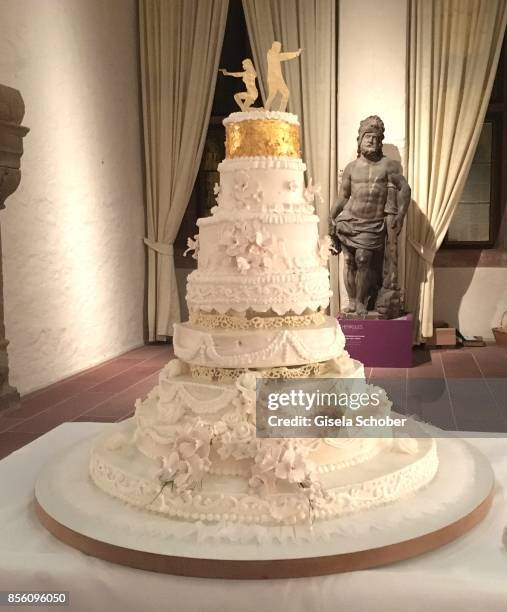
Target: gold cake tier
{"x": 262, "y": 138}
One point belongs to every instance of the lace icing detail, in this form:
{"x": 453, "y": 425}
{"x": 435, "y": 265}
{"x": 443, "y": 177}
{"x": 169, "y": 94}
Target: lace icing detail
{"x": 284, "y": 292}
{"x": 273, "y": 216}
{"x": 226, "y": 321}
{"x": 250, "y": 508}
{"x": 259, "y": 162}
{"x": 217, "y": 374}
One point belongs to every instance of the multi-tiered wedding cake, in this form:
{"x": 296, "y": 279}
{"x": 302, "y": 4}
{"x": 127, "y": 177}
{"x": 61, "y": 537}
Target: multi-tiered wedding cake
{"x": 257, "y": 309}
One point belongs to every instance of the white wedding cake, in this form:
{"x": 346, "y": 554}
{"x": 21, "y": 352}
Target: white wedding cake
{"x": 257, "y": 309}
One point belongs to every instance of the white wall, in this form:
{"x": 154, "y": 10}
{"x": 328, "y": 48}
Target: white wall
{"x": 372, "y": 58}
{"x": 73, "y": 257}
{"x": 473, "y": 299}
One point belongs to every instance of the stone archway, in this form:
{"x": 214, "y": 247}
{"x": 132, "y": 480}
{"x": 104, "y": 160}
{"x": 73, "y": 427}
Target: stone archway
{"x": 12, "y": 110}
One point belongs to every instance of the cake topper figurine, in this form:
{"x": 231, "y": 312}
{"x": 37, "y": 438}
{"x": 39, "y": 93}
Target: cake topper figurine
{"x": 245, "y": 99}
{"x": 276, "y": 82}
{"x": 365, "y": 223}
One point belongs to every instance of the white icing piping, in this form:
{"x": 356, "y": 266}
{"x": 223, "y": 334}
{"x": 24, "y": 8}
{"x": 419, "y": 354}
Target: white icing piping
{"x": 269, "y": 218}
{"x": 276, "y": 278}
{"x": 260, "y": 162}
{"x": 261, "y": 114}
{"x": 206, "y": 351}
{"x": 247, "y": 508}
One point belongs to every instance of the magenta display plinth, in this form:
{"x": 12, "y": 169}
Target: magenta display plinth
{"x": 379, "y": 343}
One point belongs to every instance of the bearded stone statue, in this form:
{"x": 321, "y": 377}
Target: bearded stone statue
{"x": 366, "y": 221}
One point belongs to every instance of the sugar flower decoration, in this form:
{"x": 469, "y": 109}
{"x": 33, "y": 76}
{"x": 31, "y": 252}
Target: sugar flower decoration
{"x": 243, "y": 265}
{"x": 293, "y": 186}
{"x": 312, "y": 192}
{"x": 258, "y": 196}
{"x": 293, "y": 465}
{"x": 193, "y": 245}
{"x": 189, "y": 460}
{"x": 250, "y": 245}
{"x": 236, "y": 437}
{"x": 235, "y": 240}
{"x": 246, "y": 191}
{"x": 174, "y": 368}
{"x": 241, "y": 183}
{"x": 324, "y": 249}
{"x": 280, "y": 460}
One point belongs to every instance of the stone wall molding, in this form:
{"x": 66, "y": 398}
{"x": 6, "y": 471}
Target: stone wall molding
{"x": 12, "y": 111}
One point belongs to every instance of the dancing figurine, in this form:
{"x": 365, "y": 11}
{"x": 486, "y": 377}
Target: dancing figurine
{"x": 245, "y": 99}
{"x": 276, "y": 82}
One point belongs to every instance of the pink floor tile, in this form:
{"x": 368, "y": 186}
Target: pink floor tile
{"x": 41, "y": 400}
{"x": 388, "y": 373}
{"x": 9, "y": 442}
{"x": 64, "y": 411}
{"x": 106, "y": 371}
{"x": 428, "y": 369}
{"x": 145, "y": 352}
{"x": 460, "y": 364}
{"x": 126, "y": 379}
{"x": 492, "y": 361}
{"x": 7, "y": 423}
{"x": 122, "y": 403}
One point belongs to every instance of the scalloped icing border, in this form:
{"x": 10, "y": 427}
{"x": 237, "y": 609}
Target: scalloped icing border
{"x": 199, "y": 347}
{"x": 285, "y": 292}
{"x": 249, "y": 508}
{"x": 261, "y": 114}
{"x": 271, "y": 217}
{"x": 261, "y": 162}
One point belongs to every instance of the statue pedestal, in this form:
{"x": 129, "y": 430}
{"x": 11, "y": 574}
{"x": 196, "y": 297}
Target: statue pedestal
{"x": 379, "y": 343}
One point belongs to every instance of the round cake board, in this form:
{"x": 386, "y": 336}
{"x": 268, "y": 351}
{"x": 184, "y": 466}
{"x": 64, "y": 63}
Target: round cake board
{"x": 82, "y": 516}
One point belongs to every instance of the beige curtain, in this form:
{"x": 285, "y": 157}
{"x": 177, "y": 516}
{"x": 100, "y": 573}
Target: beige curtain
{"x": 311, "y": 25}
{"x": 454, "y": 50}
{"x": 180, "y": 41}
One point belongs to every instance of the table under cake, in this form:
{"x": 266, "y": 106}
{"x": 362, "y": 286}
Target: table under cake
{"x": 467, "y": 575}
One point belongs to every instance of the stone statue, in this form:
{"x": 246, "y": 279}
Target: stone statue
{"x": 366, "y": 221}
{"x": 276, "y": 82}
{"x": 245, "y": 99}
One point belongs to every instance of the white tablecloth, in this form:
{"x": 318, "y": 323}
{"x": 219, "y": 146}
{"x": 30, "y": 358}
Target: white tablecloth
{"x": 469, "y": 575}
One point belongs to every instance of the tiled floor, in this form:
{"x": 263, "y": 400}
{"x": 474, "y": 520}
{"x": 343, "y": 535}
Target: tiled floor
{"x": 454, "y": 389}
{"x": 104, "y": 393}
{"x": 457, "y": 389}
